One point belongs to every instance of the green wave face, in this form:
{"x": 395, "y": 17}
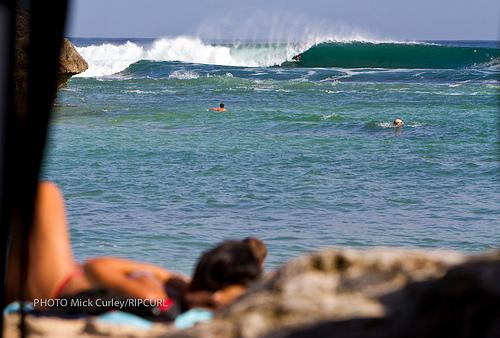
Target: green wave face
{"x": 394, "y": 55}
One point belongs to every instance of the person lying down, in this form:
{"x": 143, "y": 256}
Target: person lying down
{"x": 222, "y": 274}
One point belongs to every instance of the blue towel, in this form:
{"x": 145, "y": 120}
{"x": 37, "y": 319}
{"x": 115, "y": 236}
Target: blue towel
{"x": 124, "y": 318}
{"x": 191, "y": 317}
{"x": 16, "y": 307}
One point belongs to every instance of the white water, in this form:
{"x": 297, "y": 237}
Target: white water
{"x": 184, "y": 75}
{"x": 107, "y": 59}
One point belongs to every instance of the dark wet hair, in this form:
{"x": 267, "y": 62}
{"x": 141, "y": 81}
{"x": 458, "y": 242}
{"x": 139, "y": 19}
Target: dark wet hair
{"x": 258, "y": 248}
{"x": 229, "y": 263}
{"x": 221, "y": 105}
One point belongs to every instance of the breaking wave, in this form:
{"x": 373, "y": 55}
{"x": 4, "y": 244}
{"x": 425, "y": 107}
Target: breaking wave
{"x": 107, "y": 59}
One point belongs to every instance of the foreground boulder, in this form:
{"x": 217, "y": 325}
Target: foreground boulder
{"x": 347, "y": 293}
{"x": 464, "y": 303}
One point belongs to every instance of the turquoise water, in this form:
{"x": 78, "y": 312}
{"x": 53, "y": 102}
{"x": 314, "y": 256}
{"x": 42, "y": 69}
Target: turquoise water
{"x": 304, "y": 157}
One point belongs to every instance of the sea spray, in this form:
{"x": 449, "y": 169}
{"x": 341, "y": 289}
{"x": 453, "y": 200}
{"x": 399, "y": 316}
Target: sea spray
{"x": 107, "y": 59}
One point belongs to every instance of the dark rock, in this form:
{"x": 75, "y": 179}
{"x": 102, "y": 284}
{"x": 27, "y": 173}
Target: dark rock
{"x": 70, "y": 62}
{"x": 465, "y": 303}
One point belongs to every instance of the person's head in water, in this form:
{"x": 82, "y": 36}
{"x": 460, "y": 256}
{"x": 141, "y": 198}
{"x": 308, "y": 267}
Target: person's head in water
{"x": 398, "y": 122}
{"x": 229, "y": 263}
{"x": 219, "y": 108}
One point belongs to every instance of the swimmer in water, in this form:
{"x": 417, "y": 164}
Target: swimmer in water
{"x": 398, "y": 123}
{"x": 220, "y": 108}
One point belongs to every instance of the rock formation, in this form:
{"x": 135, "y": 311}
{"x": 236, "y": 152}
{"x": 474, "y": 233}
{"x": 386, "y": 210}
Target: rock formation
{"x": 70, "y": 62}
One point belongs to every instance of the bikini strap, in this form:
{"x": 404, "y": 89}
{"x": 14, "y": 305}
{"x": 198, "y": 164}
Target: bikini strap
{"x": 60, "y": 289}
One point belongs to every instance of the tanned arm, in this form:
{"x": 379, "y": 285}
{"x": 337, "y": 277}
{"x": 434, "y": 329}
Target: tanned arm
{"x": 115, "y": 274}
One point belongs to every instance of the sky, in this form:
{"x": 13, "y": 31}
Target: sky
{"x": 287, "y": 19}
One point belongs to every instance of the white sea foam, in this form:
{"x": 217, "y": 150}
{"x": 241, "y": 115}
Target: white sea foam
{"x": 385, "y": 125}
{"x": 329, "y": 117}
{"x": 137, "y": 91}
{"x": 391, "y": 125}
{"x": 184, "y": 75}
{"x": 107, "y": 59}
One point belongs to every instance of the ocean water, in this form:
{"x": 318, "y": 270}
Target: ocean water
{"x": 305, "y": 156}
